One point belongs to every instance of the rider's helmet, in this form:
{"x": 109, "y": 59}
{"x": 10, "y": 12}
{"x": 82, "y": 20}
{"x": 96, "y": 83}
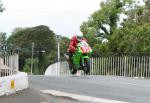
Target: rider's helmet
{"x": 79, "y": 38}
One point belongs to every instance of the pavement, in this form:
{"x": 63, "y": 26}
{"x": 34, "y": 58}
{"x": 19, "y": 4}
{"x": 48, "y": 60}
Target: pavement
{"x": 33, "y": 96}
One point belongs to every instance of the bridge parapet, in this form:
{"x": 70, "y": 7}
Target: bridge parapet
{"x": 11, "y": 80}
{"x": 8, "y": 65}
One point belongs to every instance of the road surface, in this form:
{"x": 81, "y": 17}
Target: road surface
{"x": 112, "y": 88}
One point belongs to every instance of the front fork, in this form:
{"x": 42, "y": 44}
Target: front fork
{"x": 83, "y": 60}
{"x": 83, "y": 64}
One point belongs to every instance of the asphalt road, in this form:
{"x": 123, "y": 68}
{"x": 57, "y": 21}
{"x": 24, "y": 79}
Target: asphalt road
{"x": 112, "y": 88}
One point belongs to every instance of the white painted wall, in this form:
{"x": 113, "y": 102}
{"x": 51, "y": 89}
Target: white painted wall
{"x": 20, "y": 82}
{"x": 54, "y": 70}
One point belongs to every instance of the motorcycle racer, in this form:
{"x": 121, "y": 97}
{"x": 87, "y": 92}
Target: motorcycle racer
{"x": 73, "y": 45}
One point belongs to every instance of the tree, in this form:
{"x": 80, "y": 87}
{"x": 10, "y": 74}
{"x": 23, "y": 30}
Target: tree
{"x": 3, "y": 41}
{"x": 104, "y": 21}
{"x": 64, "y": 44}
{"x": 2, "y": 38}
{"x": 2, "y": 35}
{"x": 1, "y": 7}
{"x": 132, "y": 38}
{"x": 90, "y": 35}
{"x": 135, "y": 34}
{"x": 101, "y": 49}
{"x": 140, "y": 14}
{"x": 43, "y": 38}
{"x": 145, "y": 13}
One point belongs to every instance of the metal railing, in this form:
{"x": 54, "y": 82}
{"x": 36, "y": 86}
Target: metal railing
{"x": 130, "y": 66}
{"x": 8, "y": 64}
{"x": 125, "y": 65}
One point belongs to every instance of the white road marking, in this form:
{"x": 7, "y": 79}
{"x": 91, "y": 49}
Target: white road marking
{"x": 80, "y": 97}
{"x": 134, "y": 84}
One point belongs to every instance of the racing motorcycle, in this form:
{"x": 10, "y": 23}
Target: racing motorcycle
{"x": 80, "y": 59}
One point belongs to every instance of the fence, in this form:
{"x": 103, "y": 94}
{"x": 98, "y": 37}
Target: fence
{"x": 8, "y": 64}
{"x": 130, "y": 66}
{"x": 125, "y": 65}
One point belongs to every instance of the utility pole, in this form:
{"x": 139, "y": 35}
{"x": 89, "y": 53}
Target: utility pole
{"x": 32, "y": 57}
{"x": 58, "y": 38}
{"x": 58, "y": 47}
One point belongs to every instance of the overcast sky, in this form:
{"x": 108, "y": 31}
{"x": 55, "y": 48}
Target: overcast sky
{"x": 62, "y": 16}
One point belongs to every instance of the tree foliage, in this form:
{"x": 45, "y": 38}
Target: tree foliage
{"x": 1, "y": 7}
{"x": 64, "y": 44}
{"x": 133, "y": 35}
{"x": 131, "y": 39}
{"x": 2, "y": 38}
{"x": 3, "y": 41}
{"x": 104, "y": 20}
{"x": 43, "y": 39}
{"x": 41, "y": 35}
{"x": 102, "y": 23}
{"x": 45, "y": 47}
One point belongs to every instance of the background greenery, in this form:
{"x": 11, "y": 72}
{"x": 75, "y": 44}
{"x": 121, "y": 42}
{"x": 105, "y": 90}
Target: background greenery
{"x": 130, "y": 36}
{"x": 45, "y": 47}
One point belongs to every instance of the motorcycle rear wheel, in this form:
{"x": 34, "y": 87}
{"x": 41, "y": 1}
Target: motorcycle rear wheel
{"x": 72, "y": 70}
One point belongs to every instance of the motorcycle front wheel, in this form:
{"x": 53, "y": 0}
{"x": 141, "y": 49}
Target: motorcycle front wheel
{"x": 86, "y": 66}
